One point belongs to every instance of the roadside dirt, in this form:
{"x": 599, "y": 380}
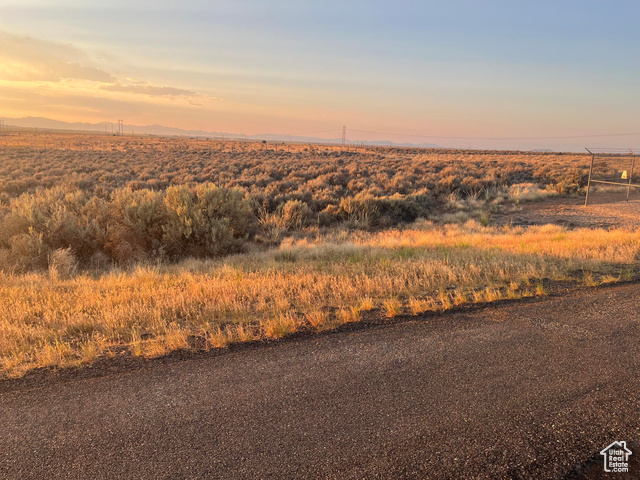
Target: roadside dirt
{"x": 604, "y": 211}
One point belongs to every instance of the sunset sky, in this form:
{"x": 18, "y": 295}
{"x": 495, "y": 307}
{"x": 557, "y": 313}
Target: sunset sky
{"x": 442, "y": 69}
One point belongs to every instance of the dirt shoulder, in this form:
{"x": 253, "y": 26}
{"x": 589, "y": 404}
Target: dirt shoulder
{"x": 604, "y": 211}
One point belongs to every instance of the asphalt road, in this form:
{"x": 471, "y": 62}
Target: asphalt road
{"x": 525, "y": 390}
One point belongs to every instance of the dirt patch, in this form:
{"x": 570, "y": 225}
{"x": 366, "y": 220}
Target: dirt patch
{"x": 604, "y": 211}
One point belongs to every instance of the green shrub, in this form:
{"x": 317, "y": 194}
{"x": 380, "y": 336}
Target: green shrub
{"x": 28, "y": 250}
{"x": 207, "y": 220}
{"x": 361, "y": 210}
{"x": 137, "y": 218}
{"x": 43, "y": 228}
{"x": 295, "y": 214}
{"x": 53, "y": 214}
{"x": 62, "y": 264}
{"x": 365, "y": 210}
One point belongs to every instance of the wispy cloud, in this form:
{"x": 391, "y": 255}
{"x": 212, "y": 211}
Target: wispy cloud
{"x": 149, "y": 89}
{"x": 56, "y": 66}
{"x": 30, "y": 59}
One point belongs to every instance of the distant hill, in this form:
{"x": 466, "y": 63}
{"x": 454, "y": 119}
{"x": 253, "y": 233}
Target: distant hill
{"x": 108, "y": 127}
{"x": 103, "y": 127}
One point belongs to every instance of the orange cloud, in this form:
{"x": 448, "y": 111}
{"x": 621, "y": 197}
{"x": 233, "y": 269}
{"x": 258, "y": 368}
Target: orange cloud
{"x": 31, "y": 63}
{"x": 149, "y": 89}
{"x": 29, "y": 59}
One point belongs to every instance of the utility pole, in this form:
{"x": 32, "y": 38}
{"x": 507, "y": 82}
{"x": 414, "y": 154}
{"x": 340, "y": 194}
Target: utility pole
{"x": 1, "y": 127}
{"x": 344, "y": 135}
{"x": 120, "y": 128}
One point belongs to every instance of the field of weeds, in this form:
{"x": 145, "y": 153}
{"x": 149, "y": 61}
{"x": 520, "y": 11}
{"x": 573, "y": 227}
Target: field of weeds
{"x": 143, "y": 246}
{"x": 309, "y": 284}
{"x": 123, "y": 201}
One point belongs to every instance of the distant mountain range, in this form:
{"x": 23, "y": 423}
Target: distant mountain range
{"x": 108, "y": 127}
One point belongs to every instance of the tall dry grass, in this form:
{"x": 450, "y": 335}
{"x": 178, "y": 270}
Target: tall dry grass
{"x": 60, "y": 320}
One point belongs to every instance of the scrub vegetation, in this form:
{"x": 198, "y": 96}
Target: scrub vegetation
{"x": 146, "y": 246}
{"x": 125, "y": 200}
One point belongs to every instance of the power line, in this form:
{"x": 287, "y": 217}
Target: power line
{"x": 497, "y": 138}
{"x": 444, "y": 137}
{"x": 312, "y": 133}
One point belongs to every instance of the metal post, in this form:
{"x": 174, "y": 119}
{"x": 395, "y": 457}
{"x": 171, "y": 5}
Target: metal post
{"x": 586, "y": 200}
{"x": 633, "y": 164}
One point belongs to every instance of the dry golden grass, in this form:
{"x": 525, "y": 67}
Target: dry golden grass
{"x": 418, "y": 305}
{"x": 527, "y": 192}
{"x": 391, "y": 307}
{"x": 53, "y": 321}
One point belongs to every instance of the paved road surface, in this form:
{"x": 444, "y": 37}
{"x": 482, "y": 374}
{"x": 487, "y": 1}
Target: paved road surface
{"x": 524, "y": 390}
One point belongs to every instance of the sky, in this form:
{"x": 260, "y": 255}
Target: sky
{"x": 461, "y": 73}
